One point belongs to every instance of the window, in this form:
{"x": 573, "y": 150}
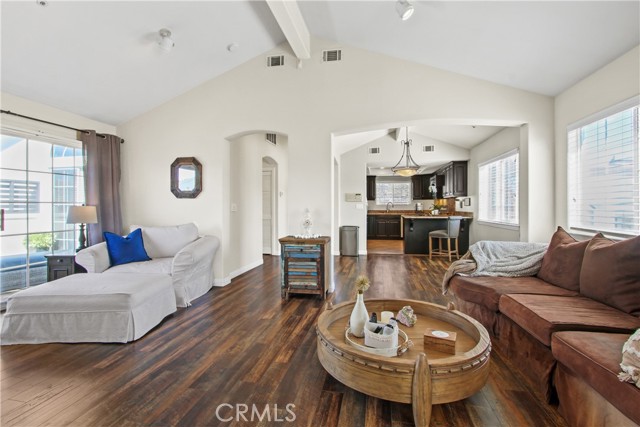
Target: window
{"x": 603, "y": 172}
{"x": 18, "y": 196}
{"x": 394, "y": 189}
{"x": 39, "y": 179}
{"x": 499, "y": 192}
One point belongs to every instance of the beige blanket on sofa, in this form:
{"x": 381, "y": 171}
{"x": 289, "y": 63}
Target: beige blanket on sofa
{"x": 491, "y": 258}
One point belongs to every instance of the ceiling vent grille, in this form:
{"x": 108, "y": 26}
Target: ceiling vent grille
{"x": 271, "y": 137}
{"x": 374, "y": 150}
{"x": 275, "y": 61}
{"x": 428, "y": 148}
{"x": 332, "y": 55}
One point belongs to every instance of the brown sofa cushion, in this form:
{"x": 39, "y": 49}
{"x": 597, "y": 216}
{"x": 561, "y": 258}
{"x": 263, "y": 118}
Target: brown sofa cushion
{"x": 595, "y": 357}
{"x": 486, "y": 291}
{"x": 611, "y": 273}
{"x": 542, "y": 315}
{"x": 562, "y": 261}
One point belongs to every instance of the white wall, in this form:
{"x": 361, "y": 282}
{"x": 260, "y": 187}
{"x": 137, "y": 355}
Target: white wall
{"x": 25, "y": 107}
{"x": 500, "y": 143}
{"x": 245, "y": 192}
{"x": 307, "y": 104}
{"x": 614, "y": 83}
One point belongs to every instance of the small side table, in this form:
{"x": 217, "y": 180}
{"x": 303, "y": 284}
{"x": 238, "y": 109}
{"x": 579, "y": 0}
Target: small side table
{"x": 59, "y": 266}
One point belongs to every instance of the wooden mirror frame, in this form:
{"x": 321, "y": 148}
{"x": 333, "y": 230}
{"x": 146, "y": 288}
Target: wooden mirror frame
{"x": 175, "y": 169}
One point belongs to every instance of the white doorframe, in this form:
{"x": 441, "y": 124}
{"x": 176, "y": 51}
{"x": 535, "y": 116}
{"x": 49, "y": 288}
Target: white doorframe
{"x": 272, "y": 171}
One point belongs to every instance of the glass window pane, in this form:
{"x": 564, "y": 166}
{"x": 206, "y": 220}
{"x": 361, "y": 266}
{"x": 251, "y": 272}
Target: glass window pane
{"x": 13, "y": 152}
{"x": 39, "y": 156}
{"x": 60, "y": 212}
{"x": 13, "y": 263}
{"x": 44, "y": 184}
{"x": 41, "y": 220}
{"x": 65, "y": 242}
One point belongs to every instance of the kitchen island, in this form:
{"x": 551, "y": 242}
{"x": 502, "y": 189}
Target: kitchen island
{"x": 416, "y": 229}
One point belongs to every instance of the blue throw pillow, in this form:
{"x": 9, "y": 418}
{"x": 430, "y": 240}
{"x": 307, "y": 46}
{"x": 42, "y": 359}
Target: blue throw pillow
{"x": 123, "y": 250}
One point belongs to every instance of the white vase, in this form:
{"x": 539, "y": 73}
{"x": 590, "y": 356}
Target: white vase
{"x": 359, "y": 317}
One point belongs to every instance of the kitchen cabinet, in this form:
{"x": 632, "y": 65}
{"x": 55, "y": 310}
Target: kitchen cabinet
{"x": 421, "y": 187}
{"x": 384, "y": 227}
{"x": 438, "y": 182}
{"x": 455, "y": 179}
{"x": 416, "y": 234}
{"x": 371, "y": 187}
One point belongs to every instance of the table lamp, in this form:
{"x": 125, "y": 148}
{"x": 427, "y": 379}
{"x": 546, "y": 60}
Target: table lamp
{"x": 82, "y": 215}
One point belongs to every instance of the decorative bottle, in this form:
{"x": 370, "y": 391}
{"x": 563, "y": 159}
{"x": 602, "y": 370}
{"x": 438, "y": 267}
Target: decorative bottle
{"x": 359, "y": 316}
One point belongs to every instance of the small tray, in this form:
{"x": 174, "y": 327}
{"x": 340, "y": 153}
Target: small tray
{"x": 403, "y": 344}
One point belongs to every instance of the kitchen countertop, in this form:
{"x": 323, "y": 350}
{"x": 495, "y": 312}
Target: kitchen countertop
{"x": 411, "y": 214}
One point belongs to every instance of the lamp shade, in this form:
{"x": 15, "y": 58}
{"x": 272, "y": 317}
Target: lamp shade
{"x": 82, "y": 215}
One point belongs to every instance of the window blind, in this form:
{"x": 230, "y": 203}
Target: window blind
{"x": 603, "y": 174}
{"x": 394, "y": 189}
{"x": 499, "y": 190}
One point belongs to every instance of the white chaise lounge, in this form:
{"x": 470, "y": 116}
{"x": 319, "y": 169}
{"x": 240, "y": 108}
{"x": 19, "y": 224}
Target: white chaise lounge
{"x": 88, "y": 308}
{"x": 177, "y": 251}
{"x": 120, "y": 303}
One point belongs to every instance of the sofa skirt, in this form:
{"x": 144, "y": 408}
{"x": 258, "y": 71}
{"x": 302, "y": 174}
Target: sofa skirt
{"x": 582, "y": 406}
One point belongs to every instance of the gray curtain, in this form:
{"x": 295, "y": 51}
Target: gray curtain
{"x": 102, "y": 182}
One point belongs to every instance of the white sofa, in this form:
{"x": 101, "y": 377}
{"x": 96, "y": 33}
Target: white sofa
{"x": 177, "y": 251}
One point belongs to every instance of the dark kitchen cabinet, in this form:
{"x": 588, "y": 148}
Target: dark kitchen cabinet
{"x": 371, "y": 187}
{"x": 371, "y": 227}
{"x": 384, "y": 227}
{"x": 438, "y": 182}
{"x": 455, "y": 179}
{"x": 421, "y": 187}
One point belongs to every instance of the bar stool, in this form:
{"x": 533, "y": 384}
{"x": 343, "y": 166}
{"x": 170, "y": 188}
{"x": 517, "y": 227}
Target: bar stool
{"x": 452, "y": 232}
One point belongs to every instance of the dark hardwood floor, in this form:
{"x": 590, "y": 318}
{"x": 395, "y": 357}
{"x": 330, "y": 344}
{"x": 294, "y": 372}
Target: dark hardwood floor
{"x": 241, "y": 345}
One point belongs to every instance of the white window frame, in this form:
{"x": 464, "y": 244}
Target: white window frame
{"x": 608, "y": 112}
{"x": 490, "y": 221}
{"x": 394, "y": 181}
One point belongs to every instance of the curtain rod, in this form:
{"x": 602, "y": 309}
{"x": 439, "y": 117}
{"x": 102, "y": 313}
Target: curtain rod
{"x": 52, "y": 123}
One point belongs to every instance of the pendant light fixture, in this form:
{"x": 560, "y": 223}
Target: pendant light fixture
{"x": 408, "y": 167}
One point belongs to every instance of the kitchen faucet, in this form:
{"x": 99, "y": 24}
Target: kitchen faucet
{"x": 390, "y": 203}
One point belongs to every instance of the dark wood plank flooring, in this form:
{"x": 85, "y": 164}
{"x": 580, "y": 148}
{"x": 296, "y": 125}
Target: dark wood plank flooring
{"x": 241, "y": 345}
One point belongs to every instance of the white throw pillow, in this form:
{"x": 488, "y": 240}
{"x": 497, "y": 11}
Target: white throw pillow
{"x": 163, "y": 242}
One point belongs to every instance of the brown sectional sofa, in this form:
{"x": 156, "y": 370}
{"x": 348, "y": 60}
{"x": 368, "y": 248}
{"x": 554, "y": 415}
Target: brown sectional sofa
{"x": 565, "y": 328}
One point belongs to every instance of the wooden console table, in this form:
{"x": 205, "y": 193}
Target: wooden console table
{"x": 306, "y": 265}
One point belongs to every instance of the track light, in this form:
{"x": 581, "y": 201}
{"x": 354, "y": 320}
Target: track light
{"x": 404, "y": 9}
{"x": 165, "y": 41}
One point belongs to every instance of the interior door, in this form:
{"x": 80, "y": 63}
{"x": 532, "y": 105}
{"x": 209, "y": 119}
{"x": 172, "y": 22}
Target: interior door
{"x": 267, "y": 209}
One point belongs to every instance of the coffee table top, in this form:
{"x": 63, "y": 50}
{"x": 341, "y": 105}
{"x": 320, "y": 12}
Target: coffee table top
{"x": 472, "y": 338}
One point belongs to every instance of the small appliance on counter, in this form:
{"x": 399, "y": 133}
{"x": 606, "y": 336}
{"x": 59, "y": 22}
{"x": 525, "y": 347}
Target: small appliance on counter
{"x": 419, "y": 207}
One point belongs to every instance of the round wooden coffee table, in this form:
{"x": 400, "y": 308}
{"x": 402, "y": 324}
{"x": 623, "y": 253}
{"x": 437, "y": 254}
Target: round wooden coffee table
{"x": 420, "y": 376}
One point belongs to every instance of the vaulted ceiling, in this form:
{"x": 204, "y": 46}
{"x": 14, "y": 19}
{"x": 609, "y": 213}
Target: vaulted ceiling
{"x": 99, "y": 59}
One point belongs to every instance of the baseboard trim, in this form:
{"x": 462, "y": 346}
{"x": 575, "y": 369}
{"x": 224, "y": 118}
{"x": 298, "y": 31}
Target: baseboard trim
{"x": 226, "y": 280}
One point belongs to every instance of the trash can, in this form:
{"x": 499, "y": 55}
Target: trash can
{"x": 349, "y": 240}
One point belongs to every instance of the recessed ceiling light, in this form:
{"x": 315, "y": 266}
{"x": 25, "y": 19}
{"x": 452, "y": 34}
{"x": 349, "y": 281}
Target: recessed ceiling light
{"x": 43, "y": 3}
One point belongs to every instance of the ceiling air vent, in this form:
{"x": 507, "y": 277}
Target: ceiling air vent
{"x": 428, "y": 148}
{"x": 332, "y": 55}
{"x": 275, "y": 61}
{"x": 271, "y": 137}
{"x": 374, "y": 150}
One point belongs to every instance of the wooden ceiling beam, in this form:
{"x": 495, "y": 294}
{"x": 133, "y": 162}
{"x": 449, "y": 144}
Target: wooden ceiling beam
{"x": 290, "y": 20}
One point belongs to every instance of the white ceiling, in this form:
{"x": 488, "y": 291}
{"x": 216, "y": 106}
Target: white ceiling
{"x": 98, "y": 59}
{"x": 462, "y": 136}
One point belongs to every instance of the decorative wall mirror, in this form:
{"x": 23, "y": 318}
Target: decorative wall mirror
{"x": 186, "y": 178}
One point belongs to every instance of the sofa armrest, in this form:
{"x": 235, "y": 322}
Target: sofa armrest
{"x": 192, "y": 269}
{"x": 95, "y": 259}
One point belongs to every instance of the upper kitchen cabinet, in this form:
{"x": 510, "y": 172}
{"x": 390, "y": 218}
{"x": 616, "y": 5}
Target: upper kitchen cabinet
{"x": 420, "y": 185}
{"x": 371, "y": 187}
{"x": 455, "y": 179}
{"x": 438, "y": 182}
